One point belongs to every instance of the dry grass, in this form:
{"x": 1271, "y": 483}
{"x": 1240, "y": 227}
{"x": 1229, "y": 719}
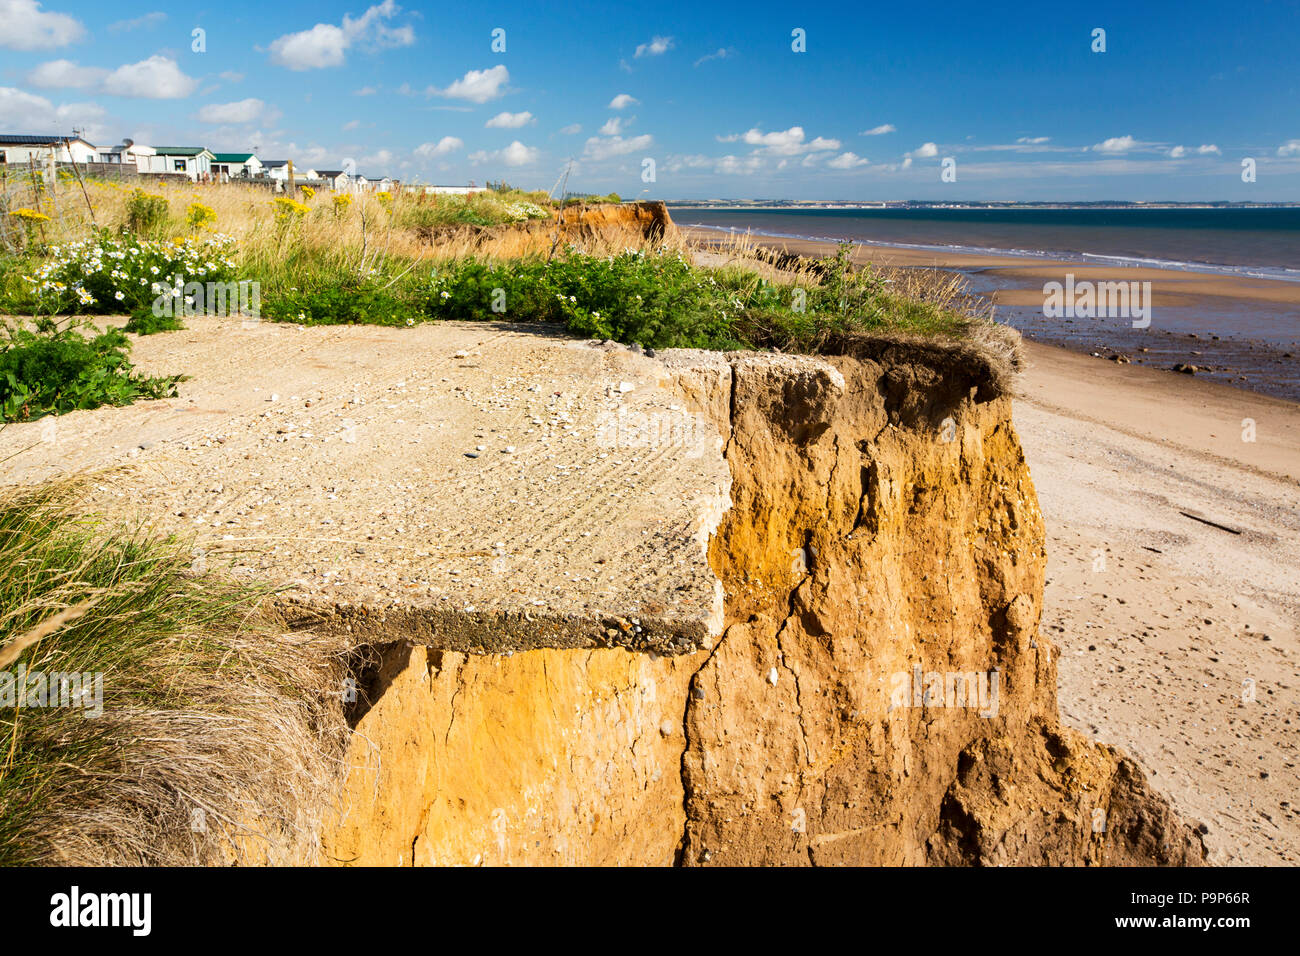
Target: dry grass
{"x": 221, "y": 738}
{"x": 370, "y": 229}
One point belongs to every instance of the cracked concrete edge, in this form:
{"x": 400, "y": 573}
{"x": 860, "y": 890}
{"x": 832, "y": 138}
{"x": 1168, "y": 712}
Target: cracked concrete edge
{"x": 705, "y": 381}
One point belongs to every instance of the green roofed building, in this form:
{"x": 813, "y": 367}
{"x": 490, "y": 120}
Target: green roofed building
{"x": 194, "y": 161}
{"x": 227, "y": 166}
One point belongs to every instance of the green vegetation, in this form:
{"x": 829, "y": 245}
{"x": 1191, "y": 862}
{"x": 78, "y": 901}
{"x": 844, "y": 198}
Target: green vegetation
{"x": 144, "y": 322}
{"x": 657, "y": 299}
{"x": 589, "y": 199}
{"x": 146, "y": 214}
{"x": 53, "y": 370}
{"x": 110, "y": 273}
{"x": 340, "y": 299}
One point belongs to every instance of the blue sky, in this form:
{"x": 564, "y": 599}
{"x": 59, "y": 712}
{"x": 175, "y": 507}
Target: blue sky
{"x": 714, "y": 94}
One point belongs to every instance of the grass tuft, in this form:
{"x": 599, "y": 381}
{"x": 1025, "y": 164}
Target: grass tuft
{"x": 219, "y": 739}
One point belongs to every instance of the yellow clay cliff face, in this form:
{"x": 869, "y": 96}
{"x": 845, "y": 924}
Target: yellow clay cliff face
{"x": 880, "y": 693}
{"x": 544, "y": 757}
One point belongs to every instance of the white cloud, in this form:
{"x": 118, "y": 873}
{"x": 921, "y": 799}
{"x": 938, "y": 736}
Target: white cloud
{"x": 20, "y": 110}
{"x": 622, "y": 101}
{"x": 448, "y": 144}
{"x": 516, "y": 154}
{"x": 28, "y": 27}
{"x": 924, "y": 151}
{"x": 157, "y": 78}
{"x": 64, "y": 74}
{"x": 377, "y": 161}
{"x": 1116, "y": 144}
{"x": 846, "y": 161}
{"x": 148, "y": 20}
{"x": 477, "y": 86}
{"x": 326, "y": 45}
{"x": 511, "y": 120}
{"x": 790, "y": 142}
{"x": 351, "y": 125}
{"x": 371, "y": 33}
{"x": 880, "y": 130}
{"x": 656, "y": 47}
{"x": 321, "y": 46}
{"x": 721, "y": 54}
{"x": 251, "y": 110}
{"x": 598, "y": 148}
{"x": 366, "y": 91}
{"x": 303, "y": 157}
{"x": 83, "y": 116}
{"x": 230, "y": 76}
{"x": 1290, "y": 148}
{"x": 907, "y": 162}
{"x": 1026, "y": 144}
{"x": 613, "y": 126}
{"x": 1207, "y": 149}
{"x": 736, "y": 166}
{"x": 571, "y": 129}
{"x": 724, "y": 165}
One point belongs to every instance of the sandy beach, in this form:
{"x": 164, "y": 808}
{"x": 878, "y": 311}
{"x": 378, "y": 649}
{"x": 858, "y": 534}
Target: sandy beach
{"x": 1172, "y": 589}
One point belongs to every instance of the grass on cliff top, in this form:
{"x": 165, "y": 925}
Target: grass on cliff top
{"x": 198, "y": 738}
{"x": 653, "y": 296}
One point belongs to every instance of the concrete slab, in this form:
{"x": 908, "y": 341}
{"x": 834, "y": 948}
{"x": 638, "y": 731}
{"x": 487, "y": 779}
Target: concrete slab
{"x": 480, "y": 487}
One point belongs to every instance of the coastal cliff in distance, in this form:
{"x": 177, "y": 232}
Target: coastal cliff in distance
{"x": 882, "y": 551}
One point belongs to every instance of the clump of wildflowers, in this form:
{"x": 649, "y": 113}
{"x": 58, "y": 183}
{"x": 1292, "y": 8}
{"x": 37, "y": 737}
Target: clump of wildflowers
{"x": 120, "y": 273}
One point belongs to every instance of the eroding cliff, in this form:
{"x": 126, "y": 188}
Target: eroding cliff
{"x": 878, "y": 694}
{"x": 881, "y": 694}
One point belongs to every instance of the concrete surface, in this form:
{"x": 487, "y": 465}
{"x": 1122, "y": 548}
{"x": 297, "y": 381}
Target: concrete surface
{"x": 470, "y": 486}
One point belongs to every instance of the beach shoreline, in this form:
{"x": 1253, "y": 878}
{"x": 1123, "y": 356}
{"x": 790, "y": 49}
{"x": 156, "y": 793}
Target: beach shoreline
{"x": 1176, "y": 334}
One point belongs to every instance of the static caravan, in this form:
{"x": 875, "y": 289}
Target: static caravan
{"x": 228, "y": 166}
{"x": 22, "y": 148}
{"x": 192, "y": 161}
